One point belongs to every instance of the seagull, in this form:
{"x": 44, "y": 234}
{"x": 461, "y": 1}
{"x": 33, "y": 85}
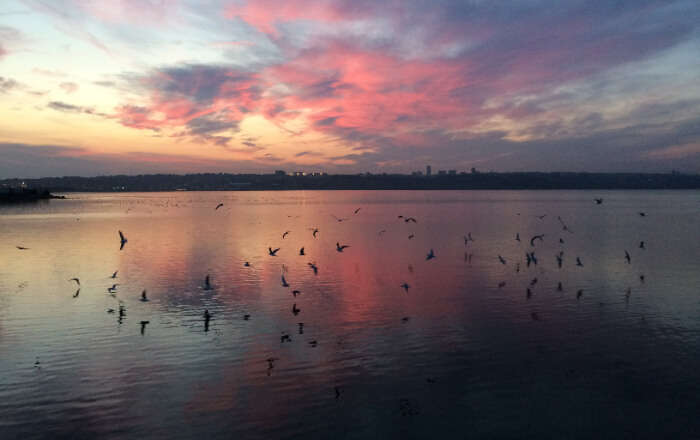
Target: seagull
{"x": 410, "y": 219}
{"x": 207, "y": 283}
{"x": 382, "y": 231}
{"x": 295, "y": 293}
{"x": 340, "y": 248}
{"x": 313, "y": 343}
{"x": 501, "y": 284}
{"x": 284, "y": 282}
{"x": 411, "y": 236}
{"x": 430, "y": 255}
{"x": 22, "y": 248}
{"x": 564, "y": 227}
{"x": 113, "y": 288}
{"x": 337, "y": 393}
{"x": 578, "y": 262}
{"x": 579, "y": 294}
{"x": 246, "y": 264}
{"x": 528, "y": 293}
{"x": 114, "y": 275}
{"x": 641, "y": 245}
{"x": 405, "y": 319}
{"x": 405, "y": 287}
{"x": 627, "y": 257}
{"x": 76, "y": 280}
{"x": 517, "y": 236}
{"x": 501, "y": 259}
{"x": 315, "y": 231}
{"x": 295, "y": 309}
{"x": 285, "y": 234}
{"x": 218, "y": 206}
{"x": 598, "y": 201}
{"x": 628, "y": 293}
{"x": 338, "y": 219}
{"x": 560, "y": 287}
{"x": 314, "y": 268}
{"x": 122, "y": 239}
{"x": 77, "y": 292}
{"x": 301, "y": 251}
{"x": 143, "y": 296}
{"x": 357, "y": 210}
{"x": 246, "y": 317}
{"x": 143, "y": 326}
{"x": 541, "y": 217}
{"x": 642, "y": 214}
{"x": 285, "y": 337}
{"x": 561, "y": 240}
{"x": 301, "y": 328}
{"x": 641, "y": 278}
{"x": 272, "y": 252}
{"x": 533, "y": 282}
{"x": 536, "y": 237}
{"x": 559, "y": 260}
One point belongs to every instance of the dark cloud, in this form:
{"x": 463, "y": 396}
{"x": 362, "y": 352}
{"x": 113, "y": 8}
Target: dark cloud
{"x": 70, "y": 108}
{"x": 308, "y": 153}
{"x": 7, "y": 84}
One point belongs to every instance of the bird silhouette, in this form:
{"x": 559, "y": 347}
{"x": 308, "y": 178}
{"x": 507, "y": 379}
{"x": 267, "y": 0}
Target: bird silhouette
{"x": 357, "y": 210}
{"x": 501, "y": 284}
{"x": 315, "y": 231}
{"x": 430, "y": 255}
{"x": 272, "y": 252}
{"x": 76, "y": 280}
{"x": 410, "y": 219}
{"x": 598, "y": 201}
{"x": 122, "y": 240}
{"x": 642, "y": 214}
{"x": 143, "y": 327}
{"x": 143, "y": 296}
{"x": 541, "y": 217}
{"x": 285, "y": 234}
{"x": 22, "y": 248}
{"x": 301, "y": 251}
{"x": 246, "y": 264}
{"x": 411, "y": 236}
{"x": 564, "y": 227}
{"x": 338, "y": 218}
{"x": 295, "y": 293}
{"x": 295, "y": 309}
{"x": 578, "y": 262}
{"x": 113, "y": 288}
{"x": 207, "y": 283}
{"x": 313, "y": 267}
{"x": 284, "y": 282}
{"x": 528, "y": 293}
{"x": 536, "y": 237}
{"x": 560, "y": 287}
{"x": 77, "y": 292}
{"x": 627, "y": 257}
{"x": 340, "y": 248}
{"x": 579, "y": 293}
{"x": 405, "y": 287}
{"x": 641, "y": 245}
{"x": 114, "y": 275}
{"x": 218, "y": 206}
{"x": 517, "y": 236}
{"x": 501, "y": 259}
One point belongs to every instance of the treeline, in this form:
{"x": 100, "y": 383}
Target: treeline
{"x": 228, "y": 182}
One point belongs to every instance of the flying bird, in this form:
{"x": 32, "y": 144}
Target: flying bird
{"x": 338, "y": 219}
{"x": 578, "y": 262}
{"x": 411, "y": 236}
{"x": 22, "y": 248}
{"x": 122, "y": 240}
{"x": 501, "y": 259}
{"x": 564, "y": 227}
{"x": 113, "y": 288}
{"x": 357, "y": 210}
{"x": 114, "y": 275}
{"x": 314, "y": 268}
{"x": 272, "y": 252}
{"x": 598, "y": 201}
{"x": 410, "y": 219}
{"x": 285, "y": 234}
{"x": 340, "y": 248}
{"x": 430, "y": 255}
{"x": 627, "y": 257}
{"x": 315, "y": 231}
{"x": 207, "y": 283}
{"x": 143, "y": 296}
{"x": 517, "y": 236}
{"x": 405, "y": 287}
{"x": 76, "y": 280}
{"x": 536, "y": 237}
{"x": 579, "y": 294}
{"x": 295, "y": 293}
{"x": 301, "y": 251}
{"x": 218, "y": 206}
{"x": 246, "y": 264}
{"x": 295, "y": 309}
{"x": 284, "y": 282}
{"x": 641, "y": 245}
{"x": 541, "y": 217}
{"x": 642, "y": 214}
{"x": 77, "y": 292}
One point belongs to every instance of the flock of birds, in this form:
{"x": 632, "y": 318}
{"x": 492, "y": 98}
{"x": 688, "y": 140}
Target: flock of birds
{"x": 531, "y": 259}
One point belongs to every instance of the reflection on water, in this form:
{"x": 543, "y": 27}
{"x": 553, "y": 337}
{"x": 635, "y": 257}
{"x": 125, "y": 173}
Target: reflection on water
{"x": 379, "y": 342}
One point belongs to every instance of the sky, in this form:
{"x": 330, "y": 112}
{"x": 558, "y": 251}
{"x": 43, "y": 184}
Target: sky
{"x": 92, "y": 87}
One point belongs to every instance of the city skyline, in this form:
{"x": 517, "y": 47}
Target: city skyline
{"x": 176, "y": 86}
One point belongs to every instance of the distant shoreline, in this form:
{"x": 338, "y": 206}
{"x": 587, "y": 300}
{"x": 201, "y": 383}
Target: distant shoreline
{"x": 364, "y": 182}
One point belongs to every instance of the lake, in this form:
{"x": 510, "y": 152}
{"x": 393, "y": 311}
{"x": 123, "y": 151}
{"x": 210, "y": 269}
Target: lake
{"x": 392, "y": 345}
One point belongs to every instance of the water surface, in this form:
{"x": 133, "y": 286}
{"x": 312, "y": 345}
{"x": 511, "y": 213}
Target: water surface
{"x": 464, "y": 353}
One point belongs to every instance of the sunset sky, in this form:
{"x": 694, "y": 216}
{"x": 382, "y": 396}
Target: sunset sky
{"x": 92, "y": 87}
